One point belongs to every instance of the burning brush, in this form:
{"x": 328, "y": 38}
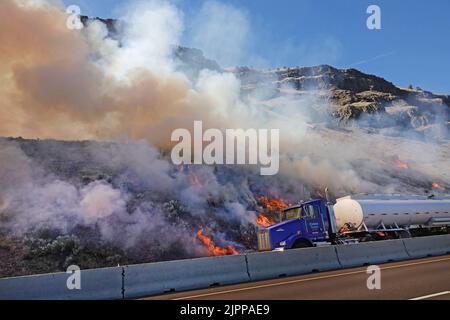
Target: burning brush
{"x": 214, "y": 250}
{"x": 395, "y": 162}
{"x": 437, "y": 185}
{"x": 272, "y": 208}
{"x": 264, "y": 221}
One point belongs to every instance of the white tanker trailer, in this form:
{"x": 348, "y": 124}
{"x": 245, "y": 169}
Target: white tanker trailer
{"x": 357, "y": 218}
{"x": 373, "y": 212}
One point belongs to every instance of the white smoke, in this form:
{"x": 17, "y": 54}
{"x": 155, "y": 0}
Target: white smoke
{"x": 223, "y": 32}
{"x": 151, "y": 31}
{"x": 40, "y": 3}
{"x": 99, "y": 201}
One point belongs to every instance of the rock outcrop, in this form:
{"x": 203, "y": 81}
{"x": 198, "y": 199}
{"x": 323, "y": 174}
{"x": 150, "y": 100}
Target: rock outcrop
{"x": 350, "y": 94}
{"x": 353, "y": 95}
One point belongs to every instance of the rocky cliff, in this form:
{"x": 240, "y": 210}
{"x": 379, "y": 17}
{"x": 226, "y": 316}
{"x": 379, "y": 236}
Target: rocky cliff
{"x": 350, "y": 95}
{"x": 353, "y": 94}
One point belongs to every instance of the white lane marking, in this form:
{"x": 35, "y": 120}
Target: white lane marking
{"x": 307, "y": 279}
{"x": 443, "y": 293}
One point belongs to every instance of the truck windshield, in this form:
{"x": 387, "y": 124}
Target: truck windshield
{"x": 290, "y": 214}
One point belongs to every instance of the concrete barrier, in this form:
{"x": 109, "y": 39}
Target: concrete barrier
{"x": 427, "y": 246}
{"x": 158, "y": 278}
{"x": 269, "y": 265}
{"x": 354, "y": 255}
{"x": 105, "y": 283}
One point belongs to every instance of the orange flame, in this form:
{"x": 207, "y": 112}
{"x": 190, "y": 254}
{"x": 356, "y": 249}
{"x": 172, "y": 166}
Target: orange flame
{"x": 400, "y": 164}
{"x": 273, "y": 204}
{"x": 395, "y": 161}
{"x": 195, "y": 181}
{"x": 263, "y": 221}
{"x": 214, "y": 250}
{"x": 437, "y": 186}
{"x": 272, "y": 207}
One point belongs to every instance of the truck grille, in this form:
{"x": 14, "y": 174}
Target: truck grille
{"x": 264, "y": 240}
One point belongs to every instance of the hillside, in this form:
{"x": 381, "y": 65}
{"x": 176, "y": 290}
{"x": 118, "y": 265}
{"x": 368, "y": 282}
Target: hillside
{"x": 110, "y": 193}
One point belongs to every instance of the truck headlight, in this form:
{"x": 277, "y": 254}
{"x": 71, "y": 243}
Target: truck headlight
{"x": 282, "y": 243}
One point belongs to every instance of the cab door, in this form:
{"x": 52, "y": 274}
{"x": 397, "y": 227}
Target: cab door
{"x": 313, "y": 217}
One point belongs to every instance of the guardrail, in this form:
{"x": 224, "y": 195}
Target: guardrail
{"x": 104, "y": 283}
{"x": 367, "y": 253}
{"x": 269, "y": 265}
{"x": 157, "y": 278}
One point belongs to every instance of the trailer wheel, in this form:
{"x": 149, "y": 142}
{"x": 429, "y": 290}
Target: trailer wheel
{"x": 403, "y": 234}
{"x": 301, "y": 243}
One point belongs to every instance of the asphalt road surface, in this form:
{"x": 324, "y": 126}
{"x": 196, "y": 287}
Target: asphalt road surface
{"x": 421, "y": 279}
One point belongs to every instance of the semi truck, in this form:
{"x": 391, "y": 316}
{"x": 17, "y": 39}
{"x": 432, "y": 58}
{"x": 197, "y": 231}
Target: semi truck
{"x": 356, "y": 218}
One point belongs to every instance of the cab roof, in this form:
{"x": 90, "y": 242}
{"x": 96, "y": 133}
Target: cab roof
{"x": 301, "y": 204}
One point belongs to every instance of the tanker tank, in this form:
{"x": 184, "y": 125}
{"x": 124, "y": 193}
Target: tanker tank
{"x": 391, "y": 210}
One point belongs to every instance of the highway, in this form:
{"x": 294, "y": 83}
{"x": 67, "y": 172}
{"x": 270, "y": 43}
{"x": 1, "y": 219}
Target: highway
{"x": 421, "y": 279}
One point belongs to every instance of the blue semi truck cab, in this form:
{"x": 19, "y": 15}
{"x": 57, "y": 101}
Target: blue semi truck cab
{"x": 304, "y": 225}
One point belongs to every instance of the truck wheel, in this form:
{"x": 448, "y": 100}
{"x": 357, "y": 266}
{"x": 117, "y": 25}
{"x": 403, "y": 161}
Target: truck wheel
{"x": 367, "y": 238}
{"x": 403, "y": 235}
{"x": 301, "y": 243}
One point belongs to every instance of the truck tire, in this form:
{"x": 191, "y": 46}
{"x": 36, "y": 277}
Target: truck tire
{"x": 403, "y": 235}
{"x": 301, "y": 243}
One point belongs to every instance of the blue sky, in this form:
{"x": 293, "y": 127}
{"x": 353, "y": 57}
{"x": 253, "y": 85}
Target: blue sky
{"x": 413, "y": 46}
